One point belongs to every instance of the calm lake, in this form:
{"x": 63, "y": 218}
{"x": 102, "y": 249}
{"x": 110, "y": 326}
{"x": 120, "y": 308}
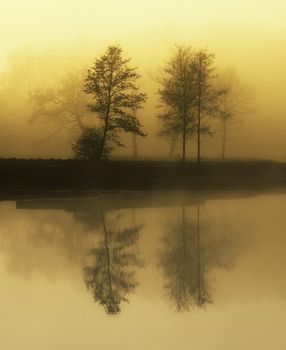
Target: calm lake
{"x": 144, "y": 271}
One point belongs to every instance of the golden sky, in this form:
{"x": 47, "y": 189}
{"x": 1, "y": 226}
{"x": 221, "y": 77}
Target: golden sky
{"x": 38, "y": 21}
{"x": 247, "y": 35}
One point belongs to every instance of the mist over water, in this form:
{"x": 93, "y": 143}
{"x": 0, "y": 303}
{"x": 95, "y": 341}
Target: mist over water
{"x": 42, "y": 42}
{"x": 207, "y": 268}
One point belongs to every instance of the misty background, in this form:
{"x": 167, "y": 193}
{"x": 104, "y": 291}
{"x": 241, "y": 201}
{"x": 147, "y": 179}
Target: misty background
{"x": 42, "y": 41}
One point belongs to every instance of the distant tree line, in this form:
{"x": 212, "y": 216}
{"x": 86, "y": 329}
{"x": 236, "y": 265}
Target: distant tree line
{"x": 103, "y": 103}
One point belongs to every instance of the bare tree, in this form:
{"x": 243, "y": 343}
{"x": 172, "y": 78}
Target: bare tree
{"x": 235, "y": 101}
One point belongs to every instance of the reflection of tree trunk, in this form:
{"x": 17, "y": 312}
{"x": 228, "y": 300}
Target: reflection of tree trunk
{"x": 133, "y": 217}
{"x": 107, "y": 254}
{"x": 199, "y": 115}
{"x": 198, "y": 255}
{"x": 184, "y": 134}
{"x": 134, "y": 145}
{"x": 184, "y": 247}
{"x": 223, "y": 138}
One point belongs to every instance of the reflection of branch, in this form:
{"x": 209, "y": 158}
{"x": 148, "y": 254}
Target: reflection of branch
{"x": 199, "y": 256}
{"x": 39, "y": 143}
{"x": 110, "y": 309}
{"x": 111, "y": 276}
{"x": 186, "y": 260}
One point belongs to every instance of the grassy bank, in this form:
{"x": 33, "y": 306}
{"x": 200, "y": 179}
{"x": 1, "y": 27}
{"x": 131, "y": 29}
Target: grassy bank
{"x": 69, "y": 175}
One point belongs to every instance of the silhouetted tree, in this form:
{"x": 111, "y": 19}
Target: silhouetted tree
{"x": 111, "y": 277}
{"x": 134, "y": 142}
{"x": 206, "y": 95}
{"x": 113, "y": 86}
{"x": 177, "y": 96}
{"x": 233, "y": 102}
{"x": 188, "y": 96}
{"x": 88, "y": 145}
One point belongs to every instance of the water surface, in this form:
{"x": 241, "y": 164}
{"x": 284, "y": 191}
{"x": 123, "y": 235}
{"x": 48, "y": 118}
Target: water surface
{"x": 144, "y": 271}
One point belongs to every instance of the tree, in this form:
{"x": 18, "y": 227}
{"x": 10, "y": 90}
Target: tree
{"x": 88, "y": 145}
{"x": 206, "y": 95}
{"x": 234, "y": 102}
{"x": 134, "y": 142}
{"x": 65, "y": 106}
{"x": 177, "y": 97}
{"x": 113, "y": 87}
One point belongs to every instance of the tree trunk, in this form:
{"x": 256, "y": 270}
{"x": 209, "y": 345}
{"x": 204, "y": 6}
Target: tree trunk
{"x": 184, "y": 143}
{"x": 223, "y": 139}
{"x": 199, "y": 116}
{"x": 185, "y": 248}
{"x": 106, "y": 119}
{"x": 107, "y": 254}
{"x": 103, "y": 138}
{"x": 134, "y": 145}
{"x": 184, "y": 132}
{"x": 198, "y": 256}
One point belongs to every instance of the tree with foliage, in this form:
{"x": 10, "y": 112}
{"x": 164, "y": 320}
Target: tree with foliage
{"x": 188, "y": 97}
{"x": 235, "y": 101}
{"x": 134, "y": 142}
{"x": 206, "y": 94}
{"x": 88, "y": 145}
{"x": 177, "y": 97}
{"x": 115, "y": 93}
{"x": 65, "y": 106}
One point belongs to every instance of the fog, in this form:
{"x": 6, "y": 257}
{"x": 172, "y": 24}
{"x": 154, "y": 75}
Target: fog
{"x": 41, "y": 41}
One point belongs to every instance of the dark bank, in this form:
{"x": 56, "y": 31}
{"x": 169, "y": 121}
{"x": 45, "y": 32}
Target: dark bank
{"x": 70, "y": 175}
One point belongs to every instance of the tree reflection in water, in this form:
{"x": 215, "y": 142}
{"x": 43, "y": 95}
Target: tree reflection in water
{"x": 111, "y": 275}
{"x": 188, "y": 254}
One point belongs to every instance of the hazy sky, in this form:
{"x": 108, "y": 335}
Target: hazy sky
{"x": 38, "y": 21}
{"x": 246, "y": 35}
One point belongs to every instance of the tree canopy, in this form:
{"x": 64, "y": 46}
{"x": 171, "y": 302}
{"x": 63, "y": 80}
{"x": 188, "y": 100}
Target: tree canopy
{"x": 115, "y": 96}
{"x": 187, "y": 96}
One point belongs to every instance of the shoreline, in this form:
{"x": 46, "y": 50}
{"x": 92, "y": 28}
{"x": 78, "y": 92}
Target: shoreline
{"x": 46, "y": 177}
